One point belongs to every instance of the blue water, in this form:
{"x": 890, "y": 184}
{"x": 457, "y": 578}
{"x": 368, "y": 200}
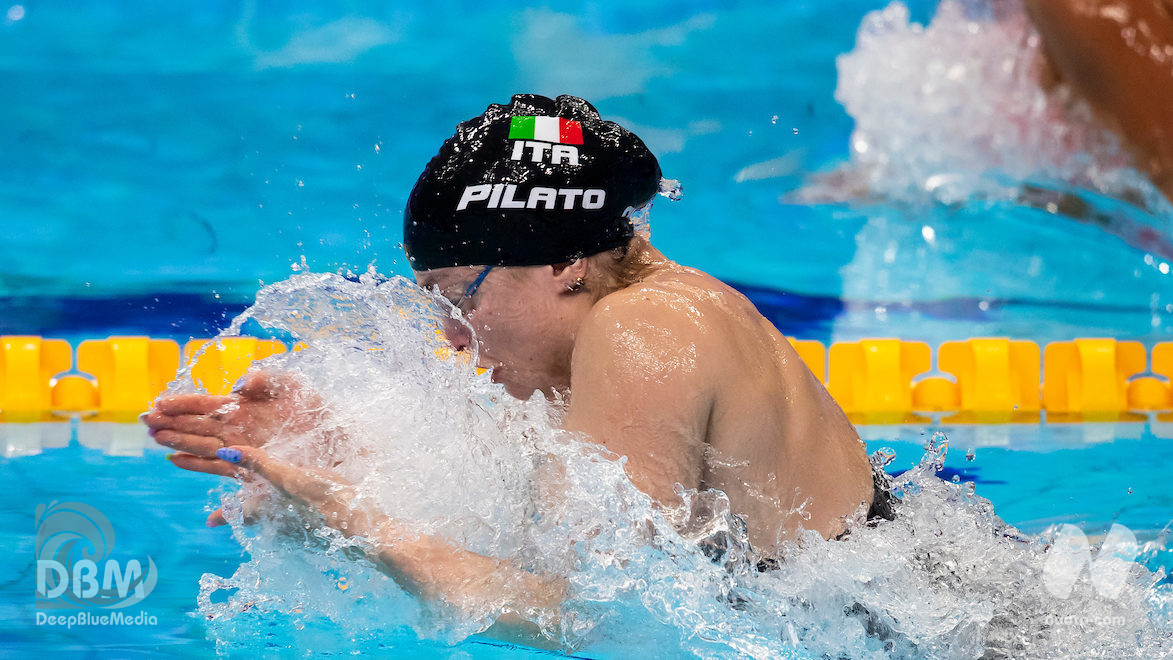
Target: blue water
{"x": 160, "y": 162}
{"x": 200, "y": 150}
{"x": 159, "y": 512}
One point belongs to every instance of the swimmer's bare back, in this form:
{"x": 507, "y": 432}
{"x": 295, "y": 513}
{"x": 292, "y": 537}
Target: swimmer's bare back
{"x": 681, "y": 374}
{"x": 1118, "y": 54}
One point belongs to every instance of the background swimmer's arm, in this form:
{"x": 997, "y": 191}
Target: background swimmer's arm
{"x": 1118, "y": 54}
{"x": 638, "y": 388}
{"x": 427, "y": 567}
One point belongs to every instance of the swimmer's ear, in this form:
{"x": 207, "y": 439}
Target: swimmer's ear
{"x": 569, "y": 275}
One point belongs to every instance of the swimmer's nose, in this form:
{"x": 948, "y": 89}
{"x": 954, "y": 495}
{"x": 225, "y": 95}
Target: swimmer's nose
{"x": 458, "y": 334}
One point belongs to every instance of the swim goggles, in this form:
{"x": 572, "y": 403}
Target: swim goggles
{"x": 472, "y": 289}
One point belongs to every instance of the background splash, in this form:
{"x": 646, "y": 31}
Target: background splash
{"x": 960, "y": 106}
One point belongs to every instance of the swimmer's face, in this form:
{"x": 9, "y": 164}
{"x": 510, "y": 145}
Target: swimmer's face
{"x": 522, "y": 321}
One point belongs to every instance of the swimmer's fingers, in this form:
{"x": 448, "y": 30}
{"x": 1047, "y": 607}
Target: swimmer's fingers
{"x": 203, "y": 464}
{"x": 216, "y": 518}
{"x": 195, "y": 424}
{"x": 199, "y": 445}
{"x": 264, "y": 385}
{"x": 250, "y": 508}
{"x": 191, "y": 404}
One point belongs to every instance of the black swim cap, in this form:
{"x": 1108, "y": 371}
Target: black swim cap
{"x": 539, "y": 181}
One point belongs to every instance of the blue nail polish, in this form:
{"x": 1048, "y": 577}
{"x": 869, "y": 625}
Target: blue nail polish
{"x": 229, "y": 454}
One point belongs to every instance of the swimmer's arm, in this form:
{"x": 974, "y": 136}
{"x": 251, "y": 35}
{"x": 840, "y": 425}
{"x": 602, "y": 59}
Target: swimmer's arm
{"x": 427, "y": 567}
{"x": 433, "y": 569}
{"x": 1112, "y": 53}
{"x": 638, "y": 388}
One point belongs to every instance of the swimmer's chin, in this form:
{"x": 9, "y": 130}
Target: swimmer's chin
{"x": 497, "y": 375}
{"x": 514, "y": 389}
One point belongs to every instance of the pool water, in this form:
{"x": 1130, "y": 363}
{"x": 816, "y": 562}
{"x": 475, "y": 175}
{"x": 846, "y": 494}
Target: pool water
{"x": 218, "y": 145}
{"x": 160, "y": 512}
{"x": 167, "y": 161}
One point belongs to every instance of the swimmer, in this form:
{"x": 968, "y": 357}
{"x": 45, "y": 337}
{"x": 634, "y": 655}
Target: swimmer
{"x": 1118, "y": 54}
{"x": 523, "y": 222}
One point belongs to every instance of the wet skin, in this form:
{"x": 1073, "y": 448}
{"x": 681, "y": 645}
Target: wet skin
{"x": 1118, "y": 54}
{"x": 683, "y": 376}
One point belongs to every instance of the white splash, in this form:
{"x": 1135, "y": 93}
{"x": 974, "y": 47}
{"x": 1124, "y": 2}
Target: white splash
{"x": 954, "y": 109}
{"x": 448, "y": 451}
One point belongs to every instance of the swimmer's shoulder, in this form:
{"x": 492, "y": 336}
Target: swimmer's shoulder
{"x": 672, "y": 313}
{"x": 640, "y": 311}
{"x": 648, "y": 322}
{"x": 639, "y": 361}
{"x": 674, "y": 285}
{"x": 673, "y": 297}
{"x": 729, "y": 334}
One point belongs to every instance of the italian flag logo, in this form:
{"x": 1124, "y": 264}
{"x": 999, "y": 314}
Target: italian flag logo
{"x": 545, "y": 129}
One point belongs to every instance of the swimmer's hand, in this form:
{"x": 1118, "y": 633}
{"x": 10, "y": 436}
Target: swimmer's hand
{"x": 430, "y": 568}
{"x": 265, "y": 406}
